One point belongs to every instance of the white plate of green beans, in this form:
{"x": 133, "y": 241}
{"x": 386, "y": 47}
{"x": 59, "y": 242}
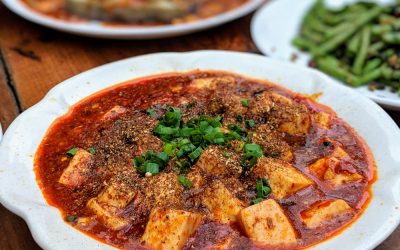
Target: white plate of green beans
{"x": 356, "y": 42}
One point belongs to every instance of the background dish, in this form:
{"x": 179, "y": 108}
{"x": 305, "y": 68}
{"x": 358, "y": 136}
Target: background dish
{"x": 20, "y": 193}
{"x": 276, "y": 24}
{"x": 96, "y": 29}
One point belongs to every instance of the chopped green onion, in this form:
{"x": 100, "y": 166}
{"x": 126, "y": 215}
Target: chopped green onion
{"x": 226, "y": 154}
{"x": 245, "y": 102}
{"x": 169, "y": 149}
{"x": 256, "y": 201}
{"x": 152, "y": 168}
{"x": 250, "y": 123}
{"x": 72, "y": 152}
{"x": 163, "y": 157}
{"x": 251, "y": 154}
{"x": 196, "y": 154}
{"x": 254, "y": 149}
{"x": 71, "y": 218}
{"x": 152, "y": 113}
{"x": 92, "y": 151}
{"x": 262, "y": 189}
{"x": 185, "y": 181}
{"x": 149, "y": 154}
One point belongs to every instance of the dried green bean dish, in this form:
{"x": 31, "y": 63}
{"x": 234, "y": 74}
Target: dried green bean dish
{"x": 358, "y": 44}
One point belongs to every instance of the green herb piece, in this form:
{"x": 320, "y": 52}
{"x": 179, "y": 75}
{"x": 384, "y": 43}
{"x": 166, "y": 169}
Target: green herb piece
{"x": 251, "y": 154}
{"x": 92, "y": 151}
{"x": 250, "y": 123}
{"x": 152, "y": 113}
{"x": 72, "y": 152}
{"x": 185, "y": 181}
{"x": 196, "y": 154}
{"x": 253, "y": 149}
{"x": 245, "y": 102}
{"x": 71, "y": 218}
{"x": 239, "y": 118}
{"x": 238, "y": 129}
{"x": 152, "y": 168}
{"x": 151, "y": 162}
{"x": 183, "y": 166}
{"x": 262, "y": 190}
{"x": 226, "y": 154}
{"x": 169, "y": 149}
{"x": 163, "y": 157}
{"x": 256, "y": 201}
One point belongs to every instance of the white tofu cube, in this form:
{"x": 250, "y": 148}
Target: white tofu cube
{"x": 223, "y": 206}
{"x": 109, "y": 202}
{"x": 267, "y": 223}
{"x": 212, "y": 162}
{"x": 212, "y": 82}
{"x": 76, "y": 172}
{"x": 114, "y": 113}
{"x": 322, "y": 119}
{"x": 106, "y": 215}
{"x": 325, "y": 169}
{"x": 283, "y": 178}
{"x": 324, "y": 211}
{"x": 170, "y": 229}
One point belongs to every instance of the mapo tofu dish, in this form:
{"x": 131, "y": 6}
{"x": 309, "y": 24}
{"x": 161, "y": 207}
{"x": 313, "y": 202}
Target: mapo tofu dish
{"x": 204, "y": 160}
{"x": 148, "y": 12}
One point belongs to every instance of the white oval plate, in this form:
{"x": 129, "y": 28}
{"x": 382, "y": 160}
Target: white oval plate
{"x": 20, "y": 192}
{"x": 97, "y": 29}
{"x": 276, "y": 24}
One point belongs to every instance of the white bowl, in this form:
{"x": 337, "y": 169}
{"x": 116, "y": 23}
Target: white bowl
{"x": 276, "y": 24}
{"x": 97, "y": 29}
{"x": 20, "y": 192}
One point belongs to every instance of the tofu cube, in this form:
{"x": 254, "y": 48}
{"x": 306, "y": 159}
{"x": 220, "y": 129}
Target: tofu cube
{"x": 212, "y": 82}
{"x": 106, "y": 205}
{"x": 272, "y": 144}
{"x": 322, "y": 119}
{"x": 267, "y": 223}
{"x": 114, "y": 113}
{"x": 223, "y": 206}
{"x": 338, "y": 179}
{"x": 106, "y": 215}
{"x": 340, "y": 153}
{"x": 283, "y": 178}
{"x": 212, "y": 162}
{"x": 325, "y": 169}
{"x": 170, "y": 229}
{"x": 295, "y": 118}
{"x": 76, "y": 172}
{"x": 299, "y": 124}
{"x": 324, "y": 211}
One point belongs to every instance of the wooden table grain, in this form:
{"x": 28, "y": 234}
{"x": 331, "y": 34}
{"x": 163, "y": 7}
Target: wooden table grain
{"x": 33, "y": 59}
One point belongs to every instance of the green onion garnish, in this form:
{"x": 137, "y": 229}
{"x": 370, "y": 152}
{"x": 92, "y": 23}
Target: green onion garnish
{"x": 196, "y": 154}
{"x": 262, "y": 189}
{"x": 72, "y": 152}
{"x": 250, "y": 123}
{"x": 185, "y": 181}
{"x": 71, "y": 218}
{"x": 245, "y": 102}
{"x": 226, "y": 154}
{"x": 251, "y": 154}
{"x": 152, "y": 168}
{"x": 92, "y": 151}
{"x": 152, "y": 113}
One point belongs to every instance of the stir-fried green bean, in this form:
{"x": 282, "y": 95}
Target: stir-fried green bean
{"x": 358, "y": 44}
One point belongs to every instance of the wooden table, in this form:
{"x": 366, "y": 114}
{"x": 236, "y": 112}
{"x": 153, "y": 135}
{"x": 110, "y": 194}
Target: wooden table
{"x": 33, "y": 59}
